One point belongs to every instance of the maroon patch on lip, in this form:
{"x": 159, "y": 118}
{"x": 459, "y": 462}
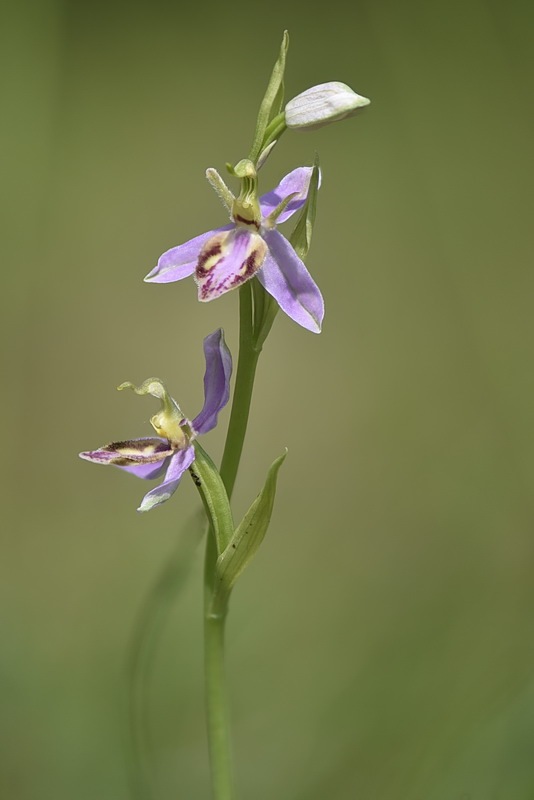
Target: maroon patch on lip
{"x": 204, "y": 256}
{"x": 250, "y": 265}
{"x": 251, "y": 268}
{"x": 216, "y": 276}
{"x": 239, "y": 218}
{"x": 205, "y": 289}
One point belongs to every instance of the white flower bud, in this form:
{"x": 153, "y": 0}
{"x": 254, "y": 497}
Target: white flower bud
{"x": 322, "y": 104}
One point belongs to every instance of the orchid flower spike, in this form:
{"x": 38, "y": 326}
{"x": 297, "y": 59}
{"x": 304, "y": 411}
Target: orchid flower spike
{"x": 172, "y": 450}
{"x": 227, "y": 257}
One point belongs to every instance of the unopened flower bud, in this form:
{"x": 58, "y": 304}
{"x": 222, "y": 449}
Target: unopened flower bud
{"x": 322, "y": 104}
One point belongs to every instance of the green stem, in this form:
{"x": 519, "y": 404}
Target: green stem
{"x": 274, "y": 130}
{"x": 218, "y": 718}
{"x": 244, "y": 384}
{"x": 216, "y": 700}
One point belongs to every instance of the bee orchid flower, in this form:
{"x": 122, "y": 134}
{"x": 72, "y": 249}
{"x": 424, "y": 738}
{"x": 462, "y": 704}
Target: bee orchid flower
{"x": 172, "y": 451}
{"x": 225, "y": 258}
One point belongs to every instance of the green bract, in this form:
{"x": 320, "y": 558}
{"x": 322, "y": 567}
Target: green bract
{"x": 246, "y": 540}
{"x": 214, "y": 497}
{"x": 302, "y": 234}
{"x": 271, "y": 106}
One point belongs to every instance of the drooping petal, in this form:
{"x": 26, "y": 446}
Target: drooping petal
{"x": 180, "y": 262}
{"x": 216, "y": 381}
{"x": 177, "y": 466}
{"x": 286, "y": 278}
{"x": 227, "y": 260}
{"x": 296, "y": 181}
{"x": 147, "y": 471}
{"x": 147, "y": 450}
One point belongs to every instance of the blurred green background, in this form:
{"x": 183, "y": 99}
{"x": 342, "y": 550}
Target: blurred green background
{"x": 381, "y": 645}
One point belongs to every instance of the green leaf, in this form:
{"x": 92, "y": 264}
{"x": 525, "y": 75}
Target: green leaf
{"x": 247, "y": 538}
{"x": 302, "y": 234}
{"x": 273, "y": 100}
{"x": 209, "y": 483}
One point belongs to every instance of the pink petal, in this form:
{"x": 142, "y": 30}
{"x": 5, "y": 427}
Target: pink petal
{"x": 180, "y": 262}
{"x": 227, "y": 260}
{"x": 286, "y": 278}
{"x": 216, "y": 381}
{"x": 177, "y": 466}
{"x": 296, "y": 181}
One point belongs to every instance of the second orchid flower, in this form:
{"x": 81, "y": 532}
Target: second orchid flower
{"x": 173, "y": 450}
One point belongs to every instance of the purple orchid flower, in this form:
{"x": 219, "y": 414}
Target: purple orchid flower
{"x": 172, "y": 451}
{"x": 227, "y": 257}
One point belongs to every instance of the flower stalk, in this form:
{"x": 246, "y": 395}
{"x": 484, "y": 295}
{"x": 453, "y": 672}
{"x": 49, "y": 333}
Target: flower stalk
{"x": 251, "y": 255}
{"x": 244, "y": 386}
{"x": 217, "y": 709}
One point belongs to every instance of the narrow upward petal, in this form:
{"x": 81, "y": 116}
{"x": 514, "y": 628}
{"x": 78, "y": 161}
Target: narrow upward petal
{"x": 216, "y": 381}
{"x": 286, "y": 278}
{"x": 227, "y": 260}
{"x": 296, "y": 181}
{"x": 180, "y": 262}
{"x": 177, "y": 466}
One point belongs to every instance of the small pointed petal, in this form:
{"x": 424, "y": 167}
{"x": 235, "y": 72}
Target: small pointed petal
{"x": 216, "y": 381}
{"x": 286, "y": 278}
{"x": 177, "y": 466}
{"x": 227, "y": 260}
{"x": 296, "y": 181}
{"x": 180, "y": 262}
{"x": 131, "y": 452}
{"x": 220, "y": 188}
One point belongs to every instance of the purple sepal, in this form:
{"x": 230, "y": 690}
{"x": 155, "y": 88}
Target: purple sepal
{"x": 178, "y": 464}
{"x": 216, "y": 381}
{"x": 100, "y": 456}
{"x": 286, "y": 278}
{"x": 296, "y": 181}
{"x": 181, "y": 261}
{"x": 147, "y": 471}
